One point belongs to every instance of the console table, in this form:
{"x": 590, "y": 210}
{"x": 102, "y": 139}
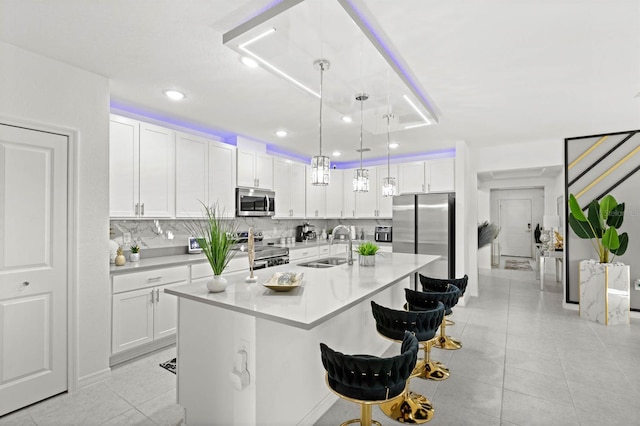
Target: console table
{"x": 542, "y": 254}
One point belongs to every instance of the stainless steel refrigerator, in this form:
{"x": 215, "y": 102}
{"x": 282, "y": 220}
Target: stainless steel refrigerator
{"x": 425, "y": 224}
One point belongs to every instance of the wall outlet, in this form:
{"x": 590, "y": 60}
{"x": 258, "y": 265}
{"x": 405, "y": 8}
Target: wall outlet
{"x": 126, "y": 237}
{"x": 636, "y": 283}
{"x": 243, "y": 345}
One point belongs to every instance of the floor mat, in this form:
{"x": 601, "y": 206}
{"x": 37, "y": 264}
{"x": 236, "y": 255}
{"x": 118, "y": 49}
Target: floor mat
{"x": 169, "y": 365}
{"x": 518, "y": 265}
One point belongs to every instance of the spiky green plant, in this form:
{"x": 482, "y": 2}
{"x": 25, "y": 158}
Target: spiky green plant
{"x": 368, "y": 249}
{"x": 215, "y": 236}
{"x": 600, "y": 226}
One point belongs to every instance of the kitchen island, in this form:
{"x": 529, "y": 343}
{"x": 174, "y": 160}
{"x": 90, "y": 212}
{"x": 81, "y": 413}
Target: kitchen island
{"x": 280, "y": 333}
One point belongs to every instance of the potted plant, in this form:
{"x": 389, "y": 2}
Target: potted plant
{"x": 216, "y": 237}
{"x": 367, "y": 254}
{"x": 600, "y": 226}
{"x": 135, "y": 253}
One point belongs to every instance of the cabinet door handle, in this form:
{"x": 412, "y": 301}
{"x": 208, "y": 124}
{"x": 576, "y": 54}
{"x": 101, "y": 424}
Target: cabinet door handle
{"x": 142, "y": 210}
{"x": 429, "y": 187}
{"x": 137, "y": 208}
{"x": 152, "y": 296}
{"x": 423, "y": 188}
{"x": 152, "y": 279}
{"x": 157, "y": 295}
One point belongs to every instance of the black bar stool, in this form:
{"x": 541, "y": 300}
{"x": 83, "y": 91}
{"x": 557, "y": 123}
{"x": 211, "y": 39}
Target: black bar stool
{"x": 449, "y": 297}
{"x": 367, "y": 379}
{"x": 439, "y": 284}
{"x": 391, "y": 323}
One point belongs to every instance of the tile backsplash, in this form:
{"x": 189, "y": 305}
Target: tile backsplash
{"x": 152, "y": 234}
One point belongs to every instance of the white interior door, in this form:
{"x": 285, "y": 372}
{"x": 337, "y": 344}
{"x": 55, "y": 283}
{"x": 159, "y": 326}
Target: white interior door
{"x": 33, "y": 266}
{"x": 515, "y": 228}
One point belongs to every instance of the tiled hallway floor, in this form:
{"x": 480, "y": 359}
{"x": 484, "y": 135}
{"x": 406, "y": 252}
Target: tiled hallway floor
{"x": 525, "y": 361}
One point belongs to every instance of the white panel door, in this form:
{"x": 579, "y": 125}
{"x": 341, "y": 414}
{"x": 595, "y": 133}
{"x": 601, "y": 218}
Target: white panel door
{"x": 348, "y": 196}
{"x": 246, "y": 169}
{"x": 282, "y": 187}
{"x": 157, "y": 171}
{"x": 316, "y": 198}
{"x": 515, "y": 228}
{"x": 298, "y": 189}
{"x": 165, "y": 318}
{"x": 192, "y": 180}
{"x": 442, "y": 175}
{"x": 412, "y": 178}
{"x": 33, "y": 266}
{"x": 335, "y": 197}
{"x": 385, "y": 204}
{"x": 132, "y": 319}
{"x": 367, "y": 202}
{"x": 264, "y": 171}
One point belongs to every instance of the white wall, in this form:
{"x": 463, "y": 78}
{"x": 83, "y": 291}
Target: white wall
{"x": 484, "y": 214}
{"x": 524, "y": 155}
{"x": 37, "y": 89}
{"x": 466, "y": 184}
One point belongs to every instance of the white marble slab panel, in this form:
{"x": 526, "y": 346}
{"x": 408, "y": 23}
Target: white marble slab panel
{"x": 604, "y": 292}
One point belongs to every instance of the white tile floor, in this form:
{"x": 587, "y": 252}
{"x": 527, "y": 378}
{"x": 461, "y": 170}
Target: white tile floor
{"x": 524, "y": 361}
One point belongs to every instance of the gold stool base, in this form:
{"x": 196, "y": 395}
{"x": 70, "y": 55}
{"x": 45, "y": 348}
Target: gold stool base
{"x": 411, "y": 407}
{"x": 350, "y": 422}
{"x": 446, "y": 342}
{"x": 431, "y": 370}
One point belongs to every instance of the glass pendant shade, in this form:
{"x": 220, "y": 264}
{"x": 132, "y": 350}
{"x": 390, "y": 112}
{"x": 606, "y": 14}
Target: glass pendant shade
{"x": 320, "y": 170}
{"x": 361, "y": 180}
{"x": 320, "y": 164}
{"x": 389, "y": 188}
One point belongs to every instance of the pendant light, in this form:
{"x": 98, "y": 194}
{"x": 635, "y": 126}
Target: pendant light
{"x": 320, "y": 164}
{"x": 389, "y": 188}
{"x": 361, "y": 176}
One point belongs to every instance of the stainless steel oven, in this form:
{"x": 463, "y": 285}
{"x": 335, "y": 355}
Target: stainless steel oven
{"x": 255, "y": 202}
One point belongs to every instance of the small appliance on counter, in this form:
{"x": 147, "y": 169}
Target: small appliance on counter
{"x": 305, "y": 232}
{"x": 194, "y": 247}
{"x": 384, "y": 234}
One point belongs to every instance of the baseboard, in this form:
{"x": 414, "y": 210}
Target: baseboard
{"x": 141, "y": 350}
{"x": 319, "y": 410}
{"x": 94, "y": 378}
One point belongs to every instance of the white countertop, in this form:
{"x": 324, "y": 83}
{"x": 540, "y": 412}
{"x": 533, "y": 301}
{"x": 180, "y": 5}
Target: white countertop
{"x": 323, "y": 293}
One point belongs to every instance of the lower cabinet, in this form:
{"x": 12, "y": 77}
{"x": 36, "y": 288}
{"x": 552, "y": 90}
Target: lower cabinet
{"x": 142, "y": 312}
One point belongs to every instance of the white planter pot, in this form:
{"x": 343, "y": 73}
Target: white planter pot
{"x": 366, "y": 260}
{"x": 134, "y": 257}
{"x": 604, "y": 292}
{"x": 217, "y": 284}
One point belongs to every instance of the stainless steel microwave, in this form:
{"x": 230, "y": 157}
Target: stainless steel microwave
{"x": 255, "y": 202}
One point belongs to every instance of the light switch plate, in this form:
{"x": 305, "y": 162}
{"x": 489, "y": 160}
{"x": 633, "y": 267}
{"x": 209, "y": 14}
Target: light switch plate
{"x": 636, "y": 283}
{"x": 126, "y": 237}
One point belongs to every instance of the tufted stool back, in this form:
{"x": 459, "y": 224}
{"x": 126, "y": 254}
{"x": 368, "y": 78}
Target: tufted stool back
{"x": 367, "y": 377}
{"x": 439, "y": 284}
{"x": 392, "y": 323}
{"x": 418, "y": 300}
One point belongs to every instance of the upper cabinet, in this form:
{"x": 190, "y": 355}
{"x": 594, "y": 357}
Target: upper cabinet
{"x": 192, "y": 165}
{"x": 367, "y": 202}
{"x": 289, "y": 186}
{"x": 317, "y": 196}
{"x": 427, "y": 176}
{"x": 385, "y": 204}
{"x": 334, "y": 194}
{"x": 204, "y": 176}
{"x": 222, "y": 172}
{"x": 142, "y": 169}
{"x": 255, "y": 169}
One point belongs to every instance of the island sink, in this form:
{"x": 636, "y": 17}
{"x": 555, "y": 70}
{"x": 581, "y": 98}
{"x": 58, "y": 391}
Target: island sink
{"x": 327, "y": 262}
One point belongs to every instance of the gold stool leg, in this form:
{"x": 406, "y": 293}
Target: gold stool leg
{"x": 444, "y": 341}
{"x": 365, "y": 417}
{"x": 409, "y": 407}
{"x": 430, "y": 369}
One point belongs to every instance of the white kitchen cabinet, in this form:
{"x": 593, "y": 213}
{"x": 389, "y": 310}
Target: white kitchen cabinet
{"x": 304, "y": 252}
{"x": 141, "y": 169}
{"x": 254, "y": 169}
{"x": 367, "y": 202}
{"x": 316, "y": 198}
{"x": 289, "y": 185}
{"x": 141, "y": 312}
{"x": 222, "y": 172}
{"x": 441, "y": 175}
{"x": 412, "y": 178}
{"x": 348, "y": 196}
{"x": 192, "y": 166}
{"x": 335, "y": 194}
{"x": 427, "y": 176}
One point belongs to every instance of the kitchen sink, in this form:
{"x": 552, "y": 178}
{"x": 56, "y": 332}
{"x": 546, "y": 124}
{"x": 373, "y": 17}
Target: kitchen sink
{"x": 327, "y": 262}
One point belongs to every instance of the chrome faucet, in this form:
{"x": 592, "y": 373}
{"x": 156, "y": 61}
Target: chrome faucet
{"x": 350, "y": 248}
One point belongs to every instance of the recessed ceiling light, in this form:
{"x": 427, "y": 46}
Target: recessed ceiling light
{"x": 336, "y": 153}
{"x": 393, "y": 145}
{"x": 174, "y": 95}
{"x": 346, "y": 119}
{"x": 281, "y": 133}
{"x": 251, "y": 63}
